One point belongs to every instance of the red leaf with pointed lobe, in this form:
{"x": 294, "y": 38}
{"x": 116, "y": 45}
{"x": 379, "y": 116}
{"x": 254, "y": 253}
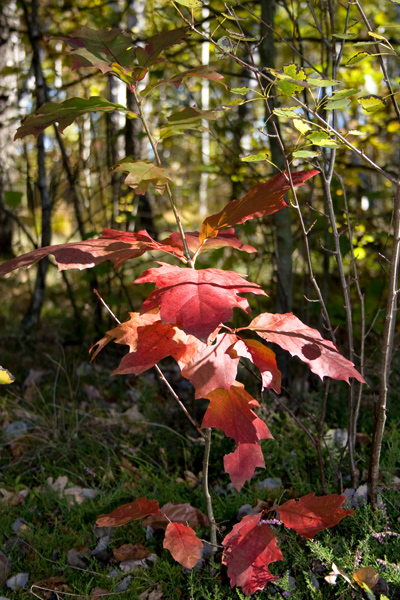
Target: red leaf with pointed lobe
{"x": 127, "y": 332}
{"x": 222, "y": 240}
{"x": 183, "y": 544}
{"x": 306, "y": 343}
{"x": 250, "y": 548}
{"x": 155, "y": 342}
{"x": 241, "y": 464}
{"x": 149, "y": 341}
{"x": 263, "y": 358}
{"x": 231, "y": 411}
{"x": 196, "y": 301}
{"x": 138, "y": 509}
{"x": 309, "y": 514}
{"x": 263, "y": 199}
{"x": 211, "y": 367}
{"x": 178, "y": 513}
{"x": 113, "y": 245}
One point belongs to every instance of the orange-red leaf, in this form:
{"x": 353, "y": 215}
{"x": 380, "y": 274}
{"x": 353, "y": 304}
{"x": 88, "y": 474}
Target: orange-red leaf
{"x": 113, "y": 245}
{"x": 231, "y": 411}
{"x": 241, "y": 464}
{"x": 211, "y": 367}
{"x": 309, "y": 514}
{"x": 196, "y": 301}
{"x": 306, "y": 343}
{"x": 263, "y": 358}
{"x": 249, "y": 549}
{"x": 183, "y": 544}
{"x": 222, "y": 240}
{"x": 139, "y": 508}
{"x": 263, "y": 199}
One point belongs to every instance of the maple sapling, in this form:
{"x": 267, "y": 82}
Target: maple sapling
{"x": 187, "y": 316}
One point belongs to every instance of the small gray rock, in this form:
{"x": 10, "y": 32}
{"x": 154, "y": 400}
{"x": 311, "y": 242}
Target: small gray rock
{"x": 77, "y": 559}
{"x": 123, "y": 586}
{"x": 270, "y": 483}
{"x": 243, "y": 511}
{"x": 17, "y": 581}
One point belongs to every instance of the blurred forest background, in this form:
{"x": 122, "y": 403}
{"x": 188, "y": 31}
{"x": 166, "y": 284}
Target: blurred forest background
{"x": 60, "y": 188}
{"x": 326, "y": 259}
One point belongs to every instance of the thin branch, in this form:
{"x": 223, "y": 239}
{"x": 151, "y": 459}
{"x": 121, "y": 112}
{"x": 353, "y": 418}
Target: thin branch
{"x": 160, "y": 373}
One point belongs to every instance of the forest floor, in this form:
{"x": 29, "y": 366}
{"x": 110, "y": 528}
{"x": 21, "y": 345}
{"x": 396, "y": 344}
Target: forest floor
{"x": 76, "y": 443}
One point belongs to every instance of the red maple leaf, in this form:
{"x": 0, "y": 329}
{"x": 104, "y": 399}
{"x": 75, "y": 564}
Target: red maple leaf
{"x": 149, "y": 341}
{"x": 139, "y": 508}
{"x": 223, "y": 239}
{"x": 249, "y": 549}
{"x": 113, "y": 245}
{"x": 241, "y": 464}
{"x": 309, "y": 514}
{"x": 231, "y": 411}
{"x": 183, "y": 544}
{"x": 211, "y": 367}
{"x": 263, "y": 199}
{"x": 263, "y": 358}
{"x": 306, "y": 343}
{"x": 196, "y": 301}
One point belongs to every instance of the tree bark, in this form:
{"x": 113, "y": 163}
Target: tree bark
{"x": 7, "y": 105}
{"x": 281, "y": 219}
{"x": 32, "y": 315}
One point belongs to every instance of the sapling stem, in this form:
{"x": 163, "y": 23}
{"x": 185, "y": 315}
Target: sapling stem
{"x": 160, "y": 373}
{"x": 206, "y": 491}
{"x": 143, "y": 119}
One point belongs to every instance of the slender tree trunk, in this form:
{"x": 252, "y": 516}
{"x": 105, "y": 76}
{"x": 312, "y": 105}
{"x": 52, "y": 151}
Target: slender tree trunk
{"x": 281, "y": 219}
{"x": 33, "y": 313}
{"x": 387, "y": 354}
{"x": 7, "y": 100}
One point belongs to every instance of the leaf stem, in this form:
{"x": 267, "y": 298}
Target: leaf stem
{"x": 143, "y": 119}
{"x": 206, "y": 492}
{"x": 160, "y": 373}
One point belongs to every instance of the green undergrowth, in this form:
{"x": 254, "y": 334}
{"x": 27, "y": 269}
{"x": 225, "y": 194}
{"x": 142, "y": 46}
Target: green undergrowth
{"x": 126, "y": 437}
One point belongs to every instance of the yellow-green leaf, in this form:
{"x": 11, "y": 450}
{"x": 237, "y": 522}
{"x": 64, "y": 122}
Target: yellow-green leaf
{"x": 6, "y": 377}
{"x": 337, "y": 104}
{"x": 345, "y": 36}
{"x": 241, "y": 91}
{"x": 301, "y": 125}
{"x": 286, "y": 113}
{"x": 356, "y": 58}
{"x": 320, "y": 138}
{"x": 190, "y": 3}
{"x": 255, "y": 157}
{"x": 305, "y": 154}
{"x": 372, "y": 103}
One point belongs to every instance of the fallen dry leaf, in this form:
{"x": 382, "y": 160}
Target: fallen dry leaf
{"x": 5, "y": 568}
{"x": 262, "y": 505}
{"x": 179, "y": 513}
{"x": 130, "y": 552}
{"x": 98, "y": 592}
{"x": 152, "y": 594}
{"x": 366, "y": 575}
{"x": 191, "y": 479}
{"x": 52, "y": 584}
{"x": 14, "y": 498}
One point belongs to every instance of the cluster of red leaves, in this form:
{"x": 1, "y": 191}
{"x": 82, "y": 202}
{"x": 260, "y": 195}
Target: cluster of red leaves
{"x": 248, "y": 549}
{"x": 183, "y": 318}
{"x": 184, "y": 315}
